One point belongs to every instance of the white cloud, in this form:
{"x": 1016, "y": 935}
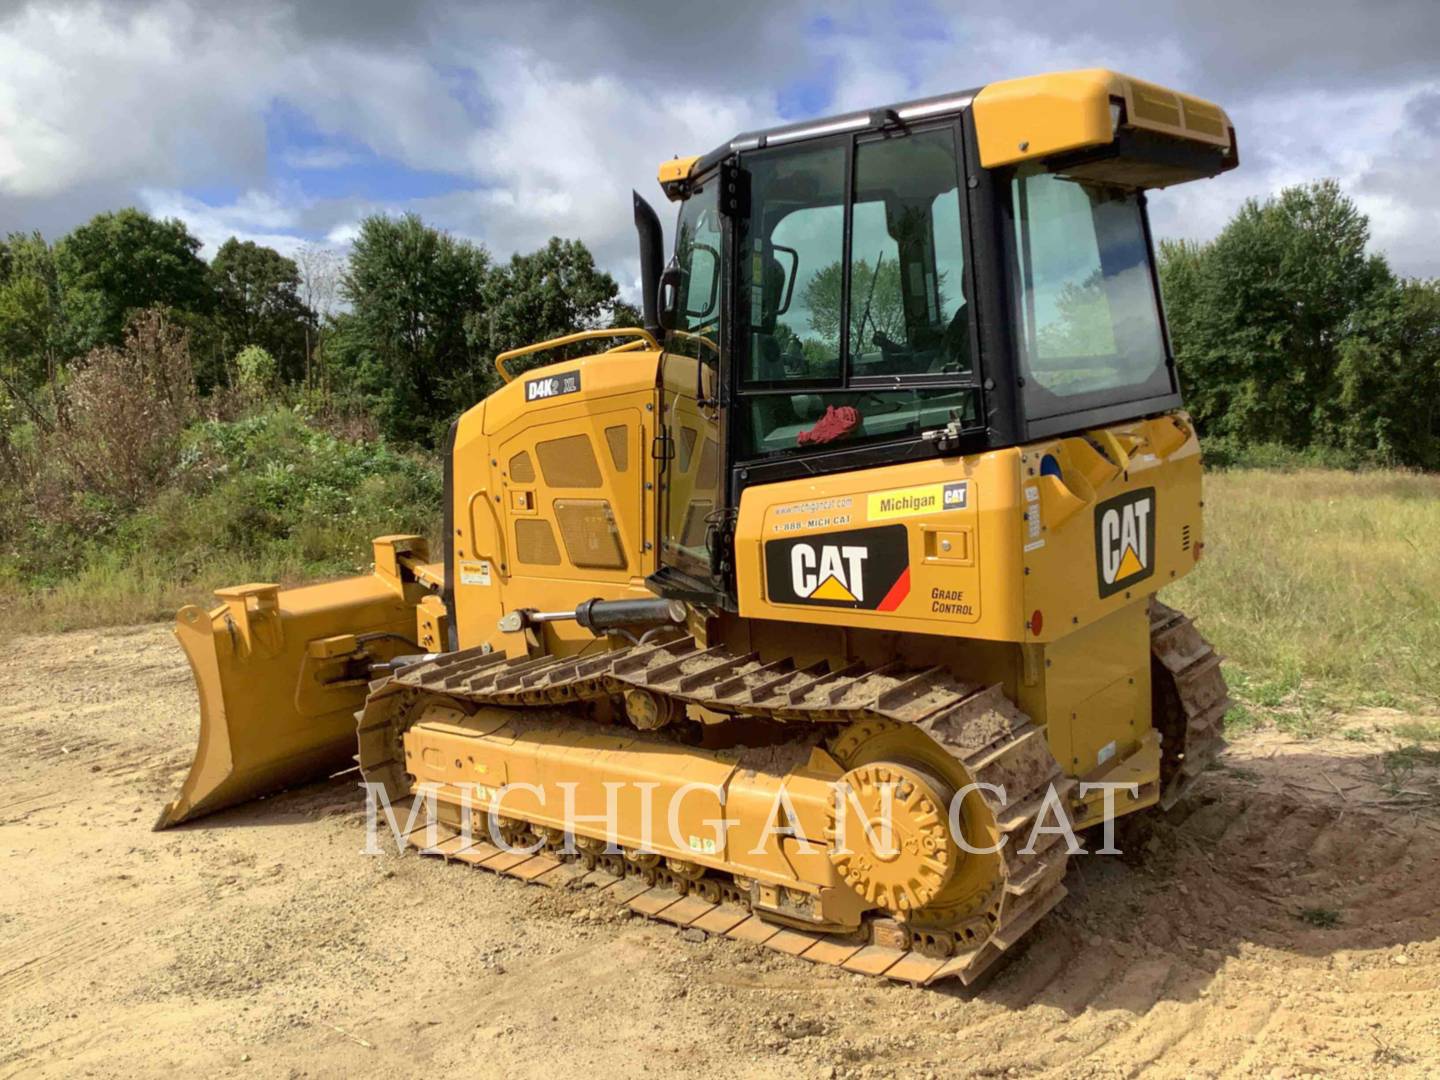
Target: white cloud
{"x": 256, "y": 215}
{"x": 564, "y": 152}
{"x": 550, "y": 114}
{"x": 153, "y": 96}
{"x": 321, "y": 157}
{"x": 343, "y": 235}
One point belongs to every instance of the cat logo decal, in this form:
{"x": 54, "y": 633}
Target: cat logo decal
{"x": 862, "y": 568}
{"x": 1125, "y": 540}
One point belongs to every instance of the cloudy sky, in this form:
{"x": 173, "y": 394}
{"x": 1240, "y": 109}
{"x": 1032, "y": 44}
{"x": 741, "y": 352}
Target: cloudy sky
{"x": 511, "y": 122}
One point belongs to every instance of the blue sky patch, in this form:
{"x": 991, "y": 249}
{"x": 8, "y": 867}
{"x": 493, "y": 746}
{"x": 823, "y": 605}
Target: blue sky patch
{"x": 324, "y": 167}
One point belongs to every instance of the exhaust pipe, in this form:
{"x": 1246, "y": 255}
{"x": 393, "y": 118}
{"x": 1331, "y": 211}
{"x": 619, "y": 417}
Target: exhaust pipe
{"x": 652, "y": 257}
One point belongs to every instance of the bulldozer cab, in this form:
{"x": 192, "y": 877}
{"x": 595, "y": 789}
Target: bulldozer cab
{"x": 936, "y": 278}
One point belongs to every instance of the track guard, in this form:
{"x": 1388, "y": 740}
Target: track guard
{"x": 280, "y": 675}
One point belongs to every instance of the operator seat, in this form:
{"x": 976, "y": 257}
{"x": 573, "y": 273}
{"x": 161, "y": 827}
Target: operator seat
{"x": 769, "y": 359}
{"x": 768, "y": 413}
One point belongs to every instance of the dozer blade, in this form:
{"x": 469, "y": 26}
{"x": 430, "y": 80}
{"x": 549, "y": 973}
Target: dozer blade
{"x": 280, "y": 675}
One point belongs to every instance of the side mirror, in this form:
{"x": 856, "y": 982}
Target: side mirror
{"x": 668, "y": 300}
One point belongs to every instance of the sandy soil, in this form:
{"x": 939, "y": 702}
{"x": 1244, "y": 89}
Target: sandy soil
{"x": 260, "y": 942}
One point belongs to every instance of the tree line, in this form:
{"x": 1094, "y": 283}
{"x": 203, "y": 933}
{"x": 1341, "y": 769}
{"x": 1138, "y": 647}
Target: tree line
{"x": 1287, "y": 331}
{"x": 404, "y": 327}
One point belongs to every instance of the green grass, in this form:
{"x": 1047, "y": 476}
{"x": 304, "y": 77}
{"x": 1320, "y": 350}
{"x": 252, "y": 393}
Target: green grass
{"x": 1399, "y": 766}
{"x": 1322, "y": 588}
{"x": 268, "y": 498}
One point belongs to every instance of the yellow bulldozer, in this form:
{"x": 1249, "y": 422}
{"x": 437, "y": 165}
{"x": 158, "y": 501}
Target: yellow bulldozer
{"x": 862, "y": 528}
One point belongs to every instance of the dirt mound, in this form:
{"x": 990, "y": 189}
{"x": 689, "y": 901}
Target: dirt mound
{"x": 1282, "y": 921}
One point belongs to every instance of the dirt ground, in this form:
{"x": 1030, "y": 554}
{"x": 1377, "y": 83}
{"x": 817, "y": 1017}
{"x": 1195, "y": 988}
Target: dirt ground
{"x": 1283, "y": 921}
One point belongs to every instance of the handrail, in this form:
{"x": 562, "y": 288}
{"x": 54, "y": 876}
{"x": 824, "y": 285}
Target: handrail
{"x": 701, "y": 338}
{"x": 644, "y": 336}
{"x": 629, "y": 346}
{"x": 498, "y": 552}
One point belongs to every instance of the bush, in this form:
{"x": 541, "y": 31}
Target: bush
{"x": 269, "y": 497}
{"x": 1231, "y": 452}
{"x": 256, "y": 372}
{"x": 122, "y": 415}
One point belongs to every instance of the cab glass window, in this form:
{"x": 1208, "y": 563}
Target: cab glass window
{"x": 821, "y": 419}
{"x": 792, "y": 266}
{"x": 697, "y": 251}
{"x": 877, "y": 349}
{"x": 907, "y": 270}
{"x": 1088, "y": 315}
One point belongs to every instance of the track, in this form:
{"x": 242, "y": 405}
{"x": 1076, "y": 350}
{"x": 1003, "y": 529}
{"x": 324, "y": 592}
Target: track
{"x": 1189, "y": 699}
{"x": 1031, "y": 886}
{"x": 991, "y": 741}
{"x": 989, "y": 738}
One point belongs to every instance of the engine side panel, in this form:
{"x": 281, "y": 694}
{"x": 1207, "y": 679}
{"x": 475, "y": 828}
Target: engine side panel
{"x": 553, "y": 496}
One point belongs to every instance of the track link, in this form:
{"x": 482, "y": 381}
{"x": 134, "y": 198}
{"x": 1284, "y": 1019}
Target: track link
{"x": 1189, "y": 699}
{"x": 665, "y": 898}
{"x": 679, "y": 667}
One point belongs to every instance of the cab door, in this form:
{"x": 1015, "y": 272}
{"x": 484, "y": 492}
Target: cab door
{"x": 690, "y": 448}
{"x": 690, "y": 495}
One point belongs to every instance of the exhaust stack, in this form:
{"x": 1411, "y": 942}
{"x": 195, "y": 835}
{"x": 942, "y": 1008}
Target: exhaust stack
{"x": 647, "y": 224}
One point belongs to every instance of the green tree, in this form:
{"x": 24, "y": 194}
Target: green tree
{"x": 257, "y": 302}
{"x": 404, "y": 343}
{"x": 1388, "y": 405}
{"x": 546, "y": 294}
{"x": 37, "y": 336}
{"x": 875, "y": 301}
{"x": 122, "y": 262}
{"x": 1259, "y": 314}
{"x": 626, "y": 314}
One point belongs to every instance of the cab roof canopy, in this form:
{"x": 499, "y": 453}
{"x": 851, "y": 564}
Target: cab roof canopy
{"x": 1091, "y": 124}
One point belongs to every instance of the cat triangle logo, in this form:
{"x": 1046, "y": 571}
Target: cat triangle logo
{"x": 858, "y": 569}
{"x": 834, "y": 572}
{"x": 831, "y": 589}
{"x": 1130, "y": 564}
